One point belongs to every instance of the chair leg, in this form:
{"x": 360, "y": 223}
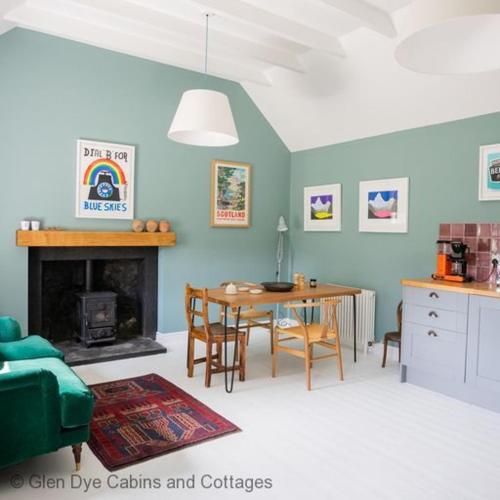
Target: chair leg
{"x": 77, "y": 452}
{"x": 311, "y": 352}
{"x": 340, "y": 362}
{"x": 385, "y": 354}
{"x": 208, "y": 364}
{"x": 190, "y": 355}
{"x": 243, "y": 361}
{"x": 274, "y": 338}
{"x": 248, "y": 332}
{"x": 219, "y": 354}
{"x": 308, "y": 366}
{"x": 271, "y": 329}
{"x": 399, "y": 352}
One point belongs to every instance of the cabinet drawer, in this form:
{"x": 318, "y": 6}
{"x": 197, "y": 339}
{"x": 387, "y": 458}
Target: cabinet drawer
{"x": 434, "y": 350}
{"x": 436, "y": 318}
{"x": 437, "y": 299}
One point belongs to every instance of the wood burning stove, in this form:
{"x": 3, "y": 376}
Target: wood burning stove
{"x": 95, "y": 318}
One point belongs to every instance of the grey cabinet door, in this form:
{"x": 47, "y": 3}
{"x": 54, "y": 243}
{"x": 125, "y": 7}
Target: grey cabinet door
{"x": 483, "y": 346}
{"x": 434, "y": 351}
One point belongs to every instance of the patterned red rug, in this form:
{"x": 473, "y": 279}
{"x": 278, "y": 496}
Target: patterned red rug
{"x": 140, "y": 418}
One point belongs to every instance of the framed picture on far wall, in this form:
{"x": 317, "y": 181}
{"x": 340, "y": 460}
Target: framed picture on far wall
{"x": 230, "y": 194}
{"x": 383, "y": 206}
{"x": 489, "y": 172}
{"x": 104, "y": 180}
{"x": 323, "y": 208}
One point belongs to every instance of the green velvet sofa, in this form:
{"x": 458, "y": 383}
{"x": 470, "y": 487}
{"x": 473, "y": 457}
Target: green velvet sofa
{"x": 44, "y": 404}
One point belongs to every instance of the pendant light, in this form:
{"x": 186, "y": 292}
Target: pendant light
{"x": 204, "y": 117}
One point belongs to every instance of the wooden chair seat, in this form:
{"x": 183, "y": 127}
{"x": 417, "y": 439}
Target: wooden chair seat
{"x": 392, "y": 336}
{"x": 217, "y": 332}
{"x": 315, "y": 332}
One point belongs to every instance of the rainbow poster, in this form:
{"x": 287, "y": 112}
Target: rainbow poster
{"x": 105, "y": 180}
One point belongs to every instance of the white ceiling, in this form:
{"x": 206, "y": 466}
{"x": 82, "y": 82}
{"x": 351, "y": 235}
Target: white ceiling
{"x": 321, "y": 71}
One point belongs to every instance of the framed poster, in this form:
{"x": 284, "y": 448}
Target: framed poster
{"x": 383, "y": 206}
{"x": 104, "y": 180}
{"x": 489, "y": 172}
{"x": 230, "y": 194}
{"x": 323, "y": 208}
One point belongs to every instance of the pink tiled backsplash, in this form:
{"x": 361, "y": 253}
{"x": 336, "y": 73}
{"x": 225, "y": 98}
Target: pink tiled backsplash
{"x": 483, "y": 241}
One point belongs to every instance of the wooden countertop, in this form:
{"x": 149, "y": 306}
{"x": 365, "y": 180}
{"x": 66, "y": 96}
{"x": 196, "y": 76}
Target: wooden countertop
{"x": 472, "y": 288}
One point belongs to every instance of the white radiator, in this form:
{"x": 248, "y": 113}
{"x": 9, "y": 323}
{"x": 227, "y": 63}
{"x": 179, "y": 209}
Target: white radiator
{"x": 365, "y": 320}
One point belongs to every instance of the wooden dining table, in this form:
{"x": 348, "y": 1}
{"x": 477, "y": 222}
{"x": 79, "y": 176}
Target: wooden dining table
{"x": 235, "y": 302}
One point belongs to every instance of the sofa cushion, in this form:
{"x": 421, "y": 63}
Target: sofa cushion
{"x": 30, "y": 347}
{"x": 9, "y": 329}
{"x": 76, "y": 399}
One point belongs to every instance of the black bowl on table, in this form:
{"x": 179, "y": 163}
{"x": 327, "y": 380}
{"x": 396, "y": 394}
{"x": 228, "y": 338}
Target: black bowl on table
{"x": 277, "y": 286}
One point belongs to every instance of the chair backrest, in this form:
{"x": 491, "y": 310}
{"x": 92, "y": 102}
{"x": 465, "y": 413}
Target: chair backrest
{"x": 328, "y": 316}
{"x": 399, "y": 316}
{"x": 196, "y": 305}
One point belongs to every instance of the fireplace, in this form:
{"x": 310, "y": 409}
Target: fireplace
{"x": 95, "y": 303}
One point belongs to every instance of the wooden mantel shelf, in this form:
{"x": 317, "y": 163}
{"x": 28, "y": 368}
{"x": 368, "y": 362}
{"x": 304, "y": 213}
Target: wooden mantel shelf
{"x": 93, "y": 239}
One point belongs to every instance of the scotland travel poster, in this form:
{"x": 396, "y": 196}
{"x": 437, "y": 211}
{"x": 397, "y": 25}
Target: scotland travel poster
{"x": 230, "y": 196}
{"x": 105, "y": 180}
{"x": 322, "y": 208}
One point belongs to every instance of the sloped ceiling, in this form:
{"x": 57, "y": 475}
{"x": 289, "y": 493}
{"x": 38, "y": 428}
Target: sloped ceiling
{"x": 321, "y": 71}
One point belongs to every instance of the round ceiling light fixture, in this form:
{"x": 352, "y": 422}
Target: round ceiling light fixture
{"x": 450, "y": 37}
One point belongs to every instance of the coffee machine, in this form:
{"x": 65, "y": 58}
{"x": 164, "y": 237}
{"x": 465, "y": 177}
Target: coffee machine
{"x": 452, "y": 261}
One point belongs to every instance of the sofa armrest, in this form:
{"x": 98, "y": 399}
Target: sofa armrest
{"x": 30, "y": 414}
{"x": 31, "y": 347}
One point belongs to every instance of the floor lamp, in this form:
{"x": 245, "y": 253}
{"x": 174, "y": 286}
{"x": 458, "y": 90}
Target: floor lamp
{"x": 281, "y": 229}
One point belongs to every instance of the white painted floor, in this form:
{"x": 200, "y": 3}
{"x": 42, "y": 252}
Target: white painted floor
{"x": 369, "y": 437}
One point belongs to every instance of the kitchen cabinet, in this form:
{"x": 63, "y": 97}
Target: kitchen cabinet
{"x": 451, "y": 339}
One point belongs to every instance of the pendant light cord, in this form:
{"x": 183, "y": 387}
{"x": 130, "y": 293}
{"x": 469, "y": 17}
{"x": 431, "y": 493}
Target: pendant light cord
{"x": 206, "y": 44}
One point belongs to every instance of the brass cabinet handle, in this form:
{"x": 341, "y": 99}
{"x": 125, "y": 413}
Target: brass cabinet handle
{"x": 434, "y": 295}
{"x": 432, "y": 333}
{"x": 433, "y": 314}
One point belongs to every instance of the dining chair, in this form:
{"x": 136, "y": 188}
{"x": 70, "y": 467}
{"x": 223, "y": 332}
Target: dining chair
{"x": 200, "y": 328}
{"x": 252, "y": 317}
{"x": 394, "y": 336}
{"x": 324, "y": 334}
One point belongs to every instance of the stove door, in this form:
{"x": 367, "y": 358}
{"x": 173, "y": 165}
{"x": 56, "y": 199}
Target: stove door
{"x": 101, "y": 313}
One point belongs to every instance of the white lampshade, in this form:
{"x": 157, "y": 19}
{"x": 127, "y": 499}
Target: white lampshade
{"x": 282, "y": 227}
{"x": 450, "y": 37}
{"x": 204, "y": 118}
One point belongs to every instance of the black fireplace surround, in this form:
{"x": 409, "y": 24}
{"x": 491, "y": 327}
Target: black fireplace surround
{"x": 57, "y": 275}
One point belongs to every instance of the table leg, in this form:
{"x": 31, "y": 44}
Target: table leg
{"x": 354, "y": 326}
{"x": 229, "y": 387}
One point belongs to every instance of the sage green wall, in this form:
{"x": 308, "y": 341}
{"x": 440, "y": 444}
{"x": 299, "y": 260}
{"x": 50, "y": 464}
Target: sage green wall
{"x": 54, "y": 91}
{"x": 442, "y": 164}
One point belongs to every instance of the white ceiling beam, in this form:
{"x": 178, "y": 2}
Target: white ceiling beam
{"x": 192, "y": 35}
{"x": 277, "y": 25}
{"x": 58, "y": 23}
{"x": 370, "y": 16}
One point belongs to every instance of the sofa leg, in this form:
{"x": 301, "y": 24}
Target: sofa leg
{"x": 77, "y": 452}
